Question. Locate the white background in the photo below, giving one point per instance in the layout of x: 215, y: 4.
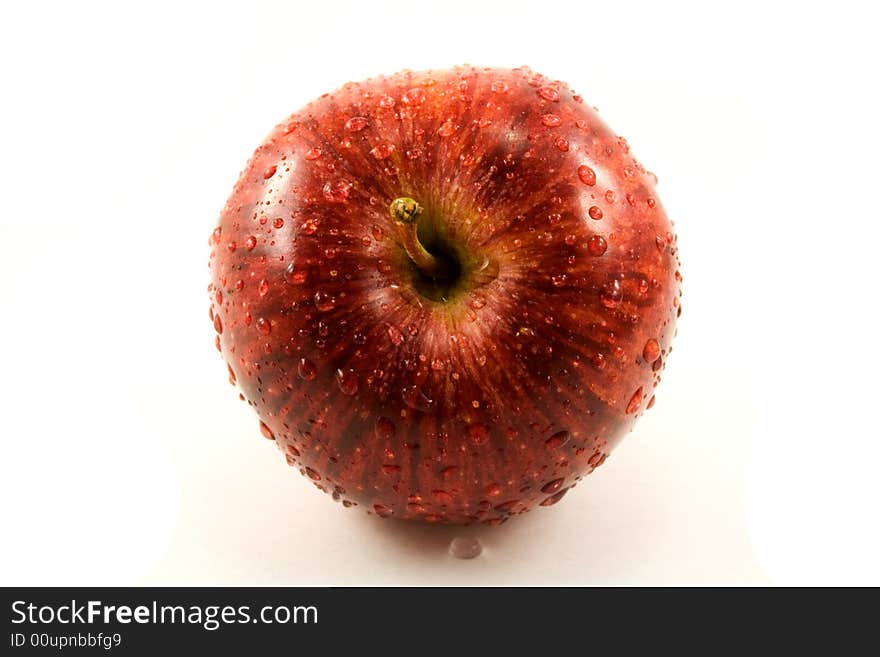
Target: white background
x: 127, y: 457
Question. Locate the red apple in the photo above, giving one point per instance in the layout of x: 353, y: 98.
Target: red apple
x: 446, y: 294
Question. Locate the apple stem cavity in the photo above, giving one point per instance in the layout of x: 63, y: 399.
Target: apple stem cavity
x: 405, y: 212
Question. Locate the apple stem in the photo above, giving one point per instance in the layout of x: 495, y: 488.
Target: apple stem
x: 405, y: 212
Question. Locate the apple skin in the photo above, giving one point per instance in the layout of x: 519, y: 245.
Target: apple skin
x: 518, y: 379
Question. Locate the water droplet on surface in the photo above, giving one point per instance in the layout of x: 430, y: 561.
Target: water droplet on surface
x: 313, y: 154
x: 609, y: 196
x: 313, y: 474
x: 551, y: 120
x: 506, y: 507
x: 562, y: 144
x: 414, y: 96
x: 478, y: 434
x: 382, y: 150
x: 499, y: 86
x: 347, y: 381
x: 263, y: 288
x: 324, y: 301
x: 611, y: 295
x: 278, y: 223
x: 558, y: 439
x: 634, y: 402
x: 306, y: 369
x: 587, y: 175
x: 266, y: 431
x: 385, y: 429
x: 552, y: 486
x: 218, y: 325
x: 597, y: 459
x: 337, y: 192
x: 548, y: 93
x: 264, y: 326
x: 295, y: 276
x: 416, y: 399
x: 382, y: 511
x: 442, y: 496
x: 595, y: 212
x: 447, y: 128
x: 651, y: 352
x: 597, y: 245
x: 395, y: 336
x: 250, y: 243
x: 356, y: 124
x: 386, y: 102
x: 553, y: 499
x: 268, y: 173
x: 465, y: 547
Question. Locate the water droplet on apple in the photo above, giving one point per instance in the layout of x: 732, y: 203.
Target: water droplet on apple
x: 306, y: 369
x: 447, y: 128
x: 609, y: 196
x: 395, y: 336
x: 382, y: 511
x: 414, y: 96
x: 250, y: 243
x: 337, y: 192
x: 597, y: 459
x: 356, y: 123
x: 553, y: 499
x: 218, y: 325
x: 263, y: 288
x: 506, y: 507
x: 415, y: 398
x: 597, y: 245
x: 499, y: 86
x: 324, y: 301
x: 382, y: 150
x: 634, y: 402
x: 385, y: 429
x: 552, y: 486
x: 442, y: 496
x: 347, y: 381
x: 562, y: 144
x: 651, y: 352
x: 587, y: 175
x: 264, y: 326
x: 548, y: 93
x: 313, y: 474
x: 266, y: 431
x: 611, y: 295
x: 551, y: 120
x: 295, y: 276
x: 558, y: 439
x: 269, y: 172
x: 595, y: 212
x: 478, y: 434
x: 278, y: 223
x: 465, y: 547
